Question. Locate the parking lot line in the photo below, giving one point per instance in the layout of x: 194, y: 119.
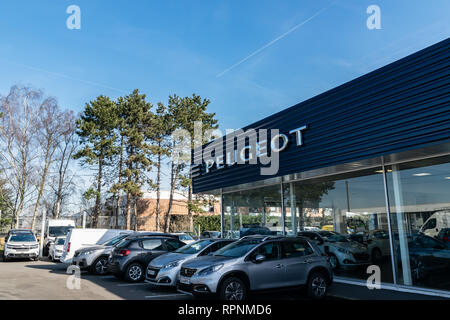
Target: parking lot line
x: 166, y: 295
x: 131, y: 284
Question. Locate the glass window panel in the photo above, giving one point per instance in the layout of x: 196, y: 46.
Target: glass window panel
x: 256, y: 211
x: 419, y: 195
x: 346, y: 215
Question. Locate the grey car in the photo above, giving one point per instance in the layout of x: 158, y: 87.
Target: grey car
x: 258, y: 263
x: 164, y: 270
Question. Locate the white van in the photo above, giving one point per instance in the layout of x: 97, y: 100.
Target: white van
x: 438, y: 220
x: 79, y: 238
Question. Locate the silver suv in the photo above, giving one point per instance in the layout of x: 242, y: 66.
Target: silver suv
x: 258, y: 263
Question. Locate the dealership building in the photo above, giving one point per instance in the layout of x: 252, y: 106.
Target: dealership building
x: 363, y: 169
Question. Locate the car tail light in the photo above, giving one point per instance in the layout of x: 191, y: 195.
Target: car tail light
x: 124, y: 253
x: 68, y: 247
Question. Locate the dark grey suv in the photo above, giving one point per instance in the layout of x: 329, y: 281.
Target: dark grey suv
x: 130, y: 257
x: 258, y: 263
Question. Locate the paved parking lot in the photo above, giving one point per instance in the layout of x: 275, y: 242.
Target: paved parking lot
x: 25, y: 279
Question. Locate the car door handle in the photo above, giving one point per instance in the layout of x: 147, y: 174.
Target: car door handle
x: 278, y: 266
x: 307, y: 261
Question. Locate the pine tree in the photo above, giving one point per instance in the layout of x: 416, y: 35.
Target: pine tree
x: 96, y: 129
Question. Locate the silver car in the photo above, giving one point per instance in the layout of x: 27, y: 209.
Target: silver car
x: 342, y: 251
x: 164, y: 270
x: 95, y: 258
x: 258, y: 263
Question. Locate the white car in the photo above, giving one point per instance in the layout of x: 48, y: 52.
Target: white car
x: 56, y: 248
x: 21, y: 244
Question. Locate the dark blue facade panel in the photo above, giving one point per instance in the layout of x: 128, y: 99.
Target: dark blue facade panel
x: 402, y: 106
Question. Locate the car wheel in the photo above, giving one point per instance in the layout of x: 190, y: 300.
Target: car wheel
x: 100, y: 266
x: 233, y: 289
x: 317, y: 285
x: 376, y: 255
x: 334, y: 262
x: 134, y: 273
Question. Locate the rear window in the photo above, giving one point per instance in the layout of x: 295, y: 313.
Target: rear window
x: 60, y: 242
x: 124, y: 243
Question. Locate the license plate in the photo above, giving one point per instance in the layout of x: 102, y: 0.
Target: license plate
x: 185, y: 280
x: 151, y: 272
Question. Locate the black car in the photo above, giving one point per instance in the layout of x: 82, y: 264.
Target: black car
x: 131, y: 256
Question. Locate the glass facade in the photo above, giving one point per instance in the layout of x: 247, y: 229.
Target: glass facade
x: 395, y: 216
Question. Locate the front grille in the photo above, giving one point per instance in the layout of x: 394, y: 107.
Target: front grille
x: 361, y: 256
x: 187, y: 272
x: 185, y: 287
x: 155, y: 273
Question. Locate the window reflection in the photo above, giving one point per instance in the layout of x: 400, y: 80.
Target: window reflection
x: 419, y: 194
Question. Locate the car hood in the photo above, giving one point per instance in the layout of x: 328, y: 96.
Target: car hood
x: 25, y: 244
x: 350, y: 246
x: 206, y: 261
x: 170, y: 257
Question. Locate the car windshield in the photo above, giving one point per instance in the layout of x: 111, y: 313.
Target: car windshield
x: 25, y: 237
x: 185, y: 237
x: 59, y: 231
x: 237, y: 249
x: 114, y: 241
x: 333, y: 237
x: 60, y: 241
x: 194, y: 247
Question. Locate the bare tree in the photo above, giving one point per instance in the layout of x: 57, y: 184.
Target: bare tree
x: 50, y: 130
x: 65, y: 150
x: 19, y: 110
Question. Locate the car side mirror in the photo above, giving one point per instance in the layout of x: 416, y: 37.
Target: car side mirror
x: 260, y: 258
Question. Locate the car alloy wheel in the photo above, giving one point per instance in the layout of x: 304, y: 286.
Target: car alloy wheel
x: 135, y: 272
x: 101, y: 266
x: 234, y: 291
x: 318, y: 286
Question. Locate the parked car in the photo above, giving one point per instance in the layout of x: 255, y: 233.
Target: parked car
x: 342, y: 251
x: 435, y: 223
x: 182, y: 236
x: 79, y: 238
x: 131, y: 256
x: 192, y: 234
x: 258, y: 263
x: 444, y: 235
x: 209, y: 234
x: 95, y: 258
x: 255, y: 229
x: 164, y: 269
x: 56, y: 228
x: 21, y: 244
x: 56, y: 248
x: 428, y: 256
x: 378, y: 245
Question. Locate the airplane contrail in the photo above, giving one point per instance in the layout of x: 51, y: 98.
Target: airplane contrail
x: 61, y: 75
x: 275, y: 40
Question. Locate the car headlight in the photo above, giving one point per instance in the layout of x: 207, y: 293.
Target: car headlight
x: 171, y: 265
x: 210, y: 270
x: 344, y: 251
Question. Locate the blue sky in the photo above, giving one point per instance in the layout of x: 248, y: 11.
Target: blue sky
x: 166, y: 47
